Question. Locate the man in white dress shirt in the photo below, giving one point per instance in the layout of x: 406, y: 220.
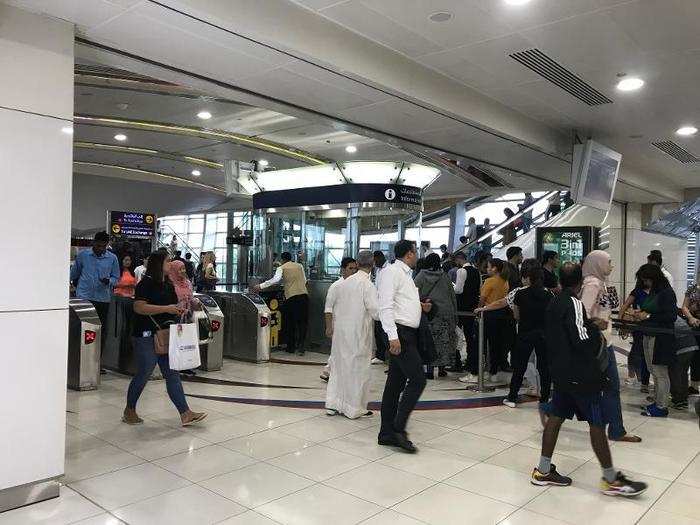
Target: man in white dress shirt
x: 400, y: 312
x: 354, y: 307
x: 348, y: 266
x: 381, y: 343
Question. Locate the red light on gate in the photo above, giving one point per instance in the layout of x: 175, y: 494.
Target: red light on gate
x: 215, y: 325
x: 90, y: 336
x: 264, y: 321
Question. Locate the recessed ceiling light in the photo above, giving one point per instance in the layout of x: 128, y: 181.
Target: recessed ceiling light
x: 204, y: 115
x: 351, y: 149
x: 120, y: 137
x: 687, y: 131
x: 517, y: 2
x: 440, y: 16
x: 630, y: 84
x: 264, y: 163
x: 196, y: 173
x: 68, y: 130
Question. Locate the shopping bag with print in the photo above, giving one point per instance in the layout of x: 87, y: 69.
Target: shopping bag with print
x: 184, y: 347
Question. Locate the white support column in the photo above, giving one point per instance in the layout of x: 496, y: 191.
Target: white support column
x: 36, y: 150
x: 457, y: 224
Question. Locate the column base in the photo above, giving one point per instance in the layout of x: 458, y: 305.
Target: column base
x: 14, y: 497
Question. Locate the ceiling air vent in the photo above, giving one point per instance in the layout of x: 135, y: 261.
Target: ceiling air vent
x: 537, y: 61
x: 674, y: 150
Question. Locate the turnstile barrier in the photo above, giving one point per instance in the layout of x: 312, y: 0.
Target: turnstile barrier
x: 84, y: 345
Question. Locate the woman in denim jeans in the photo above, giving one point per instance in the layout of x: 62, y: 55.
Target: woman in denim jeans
x: 597, y: 267
x: 155, y: 306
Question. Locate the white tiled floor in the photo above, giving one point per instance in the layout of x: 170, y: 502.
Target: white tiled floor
x: 251, y: 464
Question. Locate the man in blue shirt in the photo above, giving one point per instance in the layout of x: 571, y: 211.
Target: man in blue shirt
x: 94, y: 273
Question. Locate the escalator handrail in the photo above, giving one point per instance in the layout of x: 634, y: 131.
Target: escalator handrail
x: 508, y: 221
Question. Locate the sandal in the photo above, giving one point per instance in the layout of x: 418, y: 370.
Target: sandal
x: 629, y: 438
x: 194, y: 417
x: 130, y: 417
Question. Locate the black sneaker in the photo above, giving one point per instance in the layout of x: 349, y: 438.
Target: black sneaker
x: 623, y: 487
x: 681, y: 405
x: 551, y: 478
x: 693, y: 391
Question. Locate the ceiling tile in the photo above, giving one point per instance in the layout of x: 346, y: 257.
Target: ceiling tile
x: 450, y: 64
x: 468, y: 25
x: 670, y: 25
x: 541, y: 12
x: 584, y: 43
x: 140, y: 139
x: 79, y: 12
x: 317, y: 4
x: 336, y: 80
x: 133, y: 32
x: 358, y: 16
x: 491, y: 57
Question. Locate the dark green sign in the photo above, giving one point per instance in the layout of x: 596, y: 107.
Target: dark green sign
x: 571, y: 243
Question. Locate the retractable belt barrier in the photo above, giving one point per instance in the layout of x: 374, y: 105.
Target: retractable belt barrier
x: 633, y: 326
x: 479, y: 386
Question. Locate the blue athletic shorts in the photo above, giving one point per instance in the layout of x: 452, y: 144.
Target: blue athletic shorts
x: 586, y: 407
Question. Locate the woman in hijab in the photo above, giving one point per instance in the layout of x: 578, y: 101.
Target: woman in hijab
x: 183, y: 286
x: 600, y: 300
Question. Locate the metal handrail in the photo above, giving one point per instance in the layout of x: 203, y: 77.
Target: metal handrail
x: 180, y: 240
x: 508, y: 221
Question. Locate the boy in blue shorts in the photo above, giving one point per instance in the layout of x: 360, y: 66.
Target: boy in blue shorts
x: 578, y: 358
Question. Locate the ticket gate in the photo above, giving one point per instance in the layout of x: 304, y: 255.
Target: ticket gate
x: 84, y: 345
x: 210, y: 320
x: 247, y: 325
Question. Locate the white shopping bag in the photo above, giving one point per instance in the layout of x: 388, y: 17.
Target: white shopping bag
x: 184, y: 347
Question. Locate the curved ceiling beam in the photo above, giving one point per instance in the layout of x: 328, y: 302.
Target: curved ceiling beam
x: 150, y: 153
x: 192, y: 131
x: 208, y: 187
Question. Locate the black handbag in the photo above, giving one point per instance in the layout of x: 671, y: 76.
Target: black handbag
x: 426, y: 344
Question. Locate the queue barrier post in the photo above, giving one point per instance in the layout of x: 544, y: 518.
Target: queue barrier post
x: 480, y: 386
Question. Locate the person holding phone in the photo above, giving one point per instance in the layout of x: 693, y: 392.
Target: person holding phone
x: 94, y: 273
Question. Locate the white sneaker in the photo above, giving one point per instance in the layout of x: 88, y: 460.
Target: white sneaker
x: 376, y: 361
x: 469, y: 378
x: 631, y: 381
x: 508, y: 403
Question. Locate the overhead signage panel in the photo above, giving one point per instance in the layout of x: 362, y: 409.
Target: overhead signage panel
x: 392, y: 194
x: 134, y: 225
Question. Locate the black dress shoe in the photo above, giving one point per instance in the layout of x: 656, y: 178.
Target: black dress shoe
x: 404, y: 443
x: 387, y: 440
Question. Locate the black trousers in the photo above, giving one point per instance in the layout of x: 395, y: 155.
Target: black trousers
x: 471, y: 334
x: 500, y: 330
x: 102, y: 310
x: 405, y: 381
x: 695, y: 365
x: 678, y: 374
x: 380, y: 340
x: 525, y: 344
x: 295, y: 319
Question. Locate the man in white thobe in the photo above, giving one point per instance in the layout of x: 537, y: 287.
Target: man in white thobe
x: 354, y: 310
x: 348, y: 267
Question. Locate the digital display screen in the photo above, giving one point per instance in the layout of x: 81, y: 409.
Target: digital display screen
x: 134, y: 225
x: 600, y: 182
x: 571, y: 243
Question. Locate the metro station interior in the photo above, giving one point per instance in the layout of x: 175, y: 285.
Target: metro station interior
x: 242, y: 139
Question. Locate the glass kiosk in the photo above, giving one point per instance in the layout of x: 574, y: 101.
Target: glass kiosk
x: 318, y: 214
